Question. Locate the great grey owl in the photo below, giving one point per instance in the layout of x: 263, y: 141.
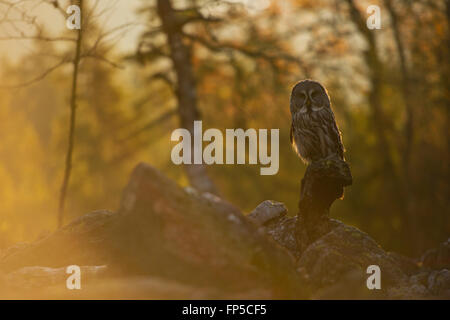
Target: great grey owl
x: 314, y: 132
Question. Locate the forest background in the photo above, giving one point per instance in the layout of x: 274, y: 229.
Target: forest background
x: 389, y: 89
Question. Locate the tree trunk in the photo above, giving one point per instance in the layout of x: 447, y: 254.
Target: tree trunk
x: 374, y: 64
x: 73, y: 108
x: 380, y: 123
x: 186, y: 89
x: 409, y: 125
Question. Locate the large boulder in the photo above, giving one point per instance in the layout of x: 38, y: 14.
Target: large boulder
x: 335, y: 265
x: 437, y: 258
x: 162, y: 230
x: 346, y: 250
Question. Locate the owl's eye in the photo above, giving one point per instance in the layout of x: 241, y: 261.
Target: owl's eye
x: 314, y: 95
x: 301, y: 97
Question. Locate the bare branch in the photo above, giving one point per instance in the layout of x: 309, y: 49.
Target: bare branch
x: 222, y: 47
x: 103, y: 59
x: 37, y: 38
x: 38, y: 78
x: 163, y: 77
x: 163, y: 117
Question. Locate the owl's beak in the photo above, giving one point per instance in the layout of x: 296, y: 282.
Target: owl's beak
x: 308, y: 103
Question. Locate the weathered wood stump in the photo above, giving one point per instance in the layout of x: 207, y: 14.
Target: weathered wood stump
x: 322, y: 184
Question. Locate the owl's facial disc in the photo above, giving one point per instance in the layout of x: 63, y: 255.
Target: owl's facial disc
x: 316, y: 103
x: 314, y: 109
x: 309, y: 96
x: 302, y: 101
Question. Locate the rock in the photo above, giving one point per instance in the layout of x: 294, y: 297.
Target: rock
x: 267, y: 211
x: 283, y: 231
x: 80, y: 242
x: 350, y: 286
x: 407, y: 292
x: 190, y: 237
x: 409, y: 266
x: 346, y: 250
x: 216, y: 203
x: 334, y: 266
x: 424, y: 285
x: 162, y: 230
x: 171, y: 242
x: 12, y: 249
x: 37, y: 277
x: 419, y: 279
x: 439, y: 283
x: 437, y: 258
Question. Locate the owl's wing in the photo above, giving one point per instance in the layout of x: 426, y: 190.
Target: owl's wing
x: 337, y: 138
x: 335, y: 133
x: 291, y: 134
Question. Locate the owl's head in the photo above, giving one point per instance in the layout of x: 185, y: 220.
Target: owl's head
x: 309, y: 96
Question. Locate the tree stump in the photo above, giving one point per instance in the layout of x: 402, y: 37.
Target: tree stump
x: 322, y: 184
